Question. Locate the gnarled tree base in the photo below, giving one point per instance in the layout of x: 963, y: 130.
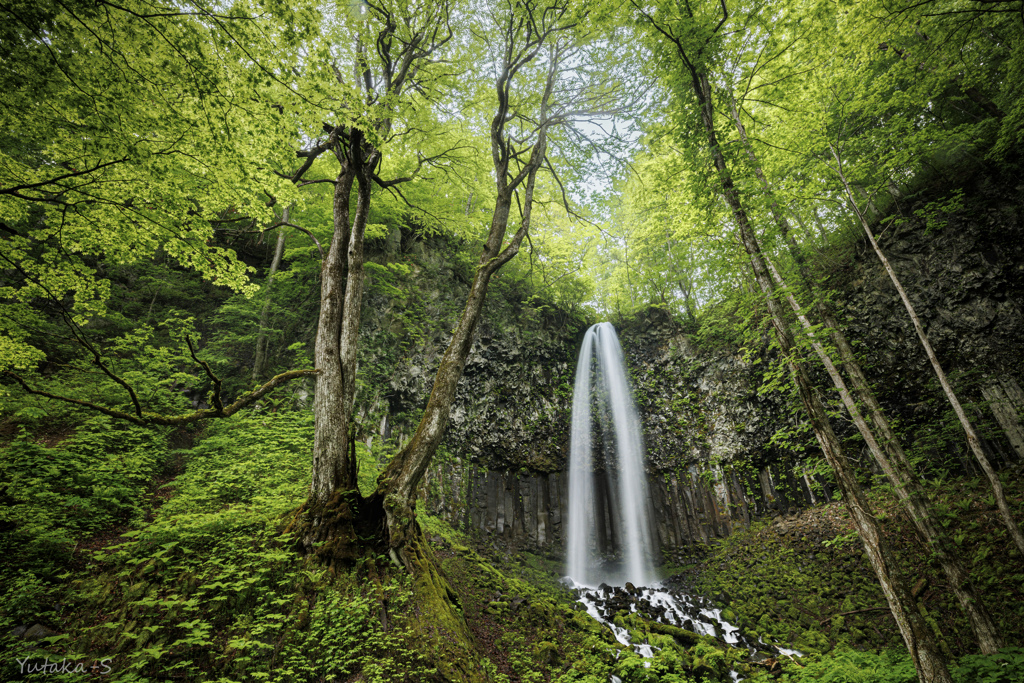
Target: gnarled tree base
x: 340, y: 531
x: 438, y: 621
x: 348, y: 529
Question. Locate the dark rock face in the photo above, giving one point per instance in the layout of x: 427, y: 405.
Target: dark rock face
x: 38, y: 632
x: 964, y: 274
x: 712, y: 461
x: 515, y: 508
x: 504, y: 472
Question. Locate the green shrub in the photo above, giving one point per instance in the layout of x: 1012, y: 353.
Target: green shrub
x: 1005, y: 667
x: 54, y: 497
x: 844, y: 665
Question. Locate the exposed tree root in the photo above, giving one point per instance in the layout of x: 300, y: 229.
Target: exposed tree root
x: 349, y: 530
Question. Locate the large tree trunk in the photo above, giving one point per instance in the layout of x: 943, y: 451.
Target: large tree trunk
x: 334, y: 504
x: 928, y: 659
x: 332, y: 469
x: 972, y: 436
x: 886, y: 450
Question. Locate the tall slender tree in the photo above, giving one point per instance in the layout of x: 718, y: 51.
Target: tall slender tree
x: 537, y: 39
x: 260, y: 356
x: 885, y: 446
x: 973, y: 439
x: 690, y: 33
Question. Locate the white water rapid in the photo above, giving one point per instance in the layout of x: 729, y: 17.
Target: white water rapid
x: 601, y: 382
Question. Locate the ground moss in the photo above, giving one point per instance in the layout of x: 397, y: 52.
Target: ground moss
x: 804, y: 579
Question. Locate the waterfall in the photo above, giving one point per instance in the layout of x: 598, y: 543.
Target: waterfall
x: 601, y: 380
x: 613, y: 508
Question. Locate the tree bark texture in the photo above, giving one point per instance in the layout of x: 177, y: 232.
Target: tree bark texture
x: 330, y: 440
x: 381, y: 75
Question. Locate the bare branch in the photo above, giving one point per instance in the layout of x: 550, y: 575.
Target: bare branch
x: 146, y: 419
x: 16, y: 189
x: 217, y: 402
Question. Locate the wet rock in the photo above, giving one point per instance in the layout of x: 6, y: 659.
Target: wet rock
x: 684, y: 637
x: 38, y: 632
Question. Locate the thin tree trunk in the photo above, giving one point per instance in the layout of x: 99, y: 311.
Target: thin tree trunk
x: 928, y: 659
x: 821, y: 228
x: 889, y: 455
x: 972, y: 436
x: 1002, y: 405
x: 912, y: 497
x: 398, y: 483
x: 869, y: 203
x: 261, y: 337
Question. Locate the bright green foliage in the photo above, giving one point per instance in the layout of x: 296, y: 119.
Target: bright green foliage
x: 846, y: 665
x: 141, y: 150
x: 209, y: 584
x: 129, y: 129
x: 55, y: 495
x: 850, y: 666
x: 1005, y: 667
x: 905, y: 93
x: 257, y: 462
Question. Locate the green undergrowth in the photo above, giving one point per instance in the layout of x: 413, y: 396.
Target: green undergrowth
x: 186, y: 575
x: 530, y: 629
x: 171, y: 564
x: 804, y: 580
x: 205, y: 587
x: 55, y: 497
x: 847, y: 665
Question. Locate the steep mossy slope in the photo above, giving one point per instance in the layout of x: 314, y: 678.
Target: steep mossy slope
x: 804, y: 579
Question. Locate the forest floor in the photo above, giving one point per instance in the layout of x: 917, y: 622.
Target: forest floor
x: 804, y: 578
x: 157, y: 563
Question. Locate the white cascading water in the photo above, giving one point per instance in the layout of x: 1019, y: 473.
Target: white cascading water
x: 601, y: 380
x: 601, y: 358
